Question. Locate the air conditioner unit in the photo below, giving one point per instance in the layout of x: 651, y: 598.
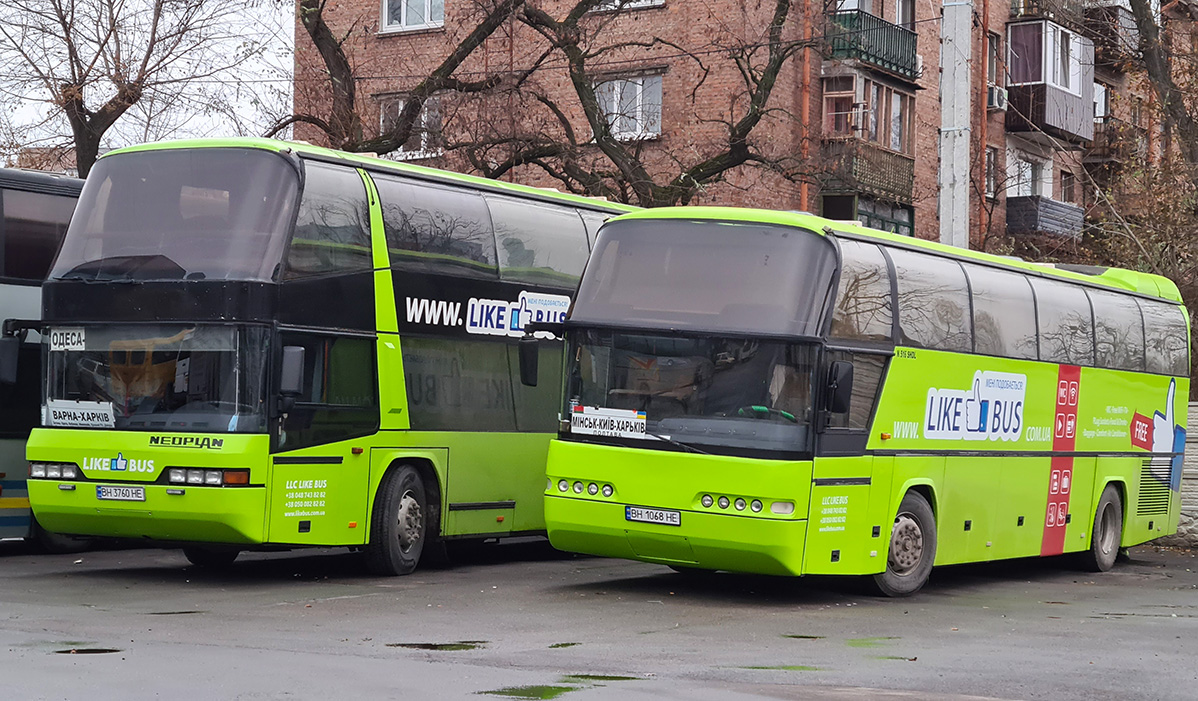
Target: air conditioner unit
x: 996, y: 98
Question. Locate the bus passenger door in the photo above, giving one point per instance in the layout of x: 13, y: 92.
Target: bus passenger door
x: 847, y: 519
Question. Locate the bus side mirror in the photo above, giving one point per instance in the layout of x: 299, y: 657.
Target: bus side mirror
x: 10, y: 347
x: 291, y: 378
x: 840, y: 386
x: 529, y: 357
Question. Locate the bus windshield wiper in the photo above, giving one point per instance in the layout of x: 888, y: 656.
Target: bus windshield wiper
x: 679, y: 444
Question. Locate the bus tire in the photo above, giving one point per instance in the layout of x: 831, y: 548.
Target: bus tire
x: 912, y: 548
x: 1107, y: 532
x: 398, y: 524
x: 210, y: 558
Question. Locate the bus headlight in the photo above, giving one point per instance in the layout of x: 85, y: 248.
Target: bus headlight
x: 195, y: 476
x: 213, y: 477
x: 53, y: 472
x: 69, y: 472
x: 707, y: 501
x: 563, y: 486
x: 608, y: 490
x: 592, y: 489
x: 756, y: 506
x: 37, y: 469
x: 177, y: 475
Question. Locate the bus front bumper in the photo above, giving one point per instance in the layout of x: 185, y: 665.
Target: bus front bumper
x: 193, y: 513
x: 703, y: 540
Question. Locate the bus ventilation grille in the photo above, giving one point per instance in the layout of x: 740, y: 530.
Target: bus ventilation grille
x: 1154, y: 487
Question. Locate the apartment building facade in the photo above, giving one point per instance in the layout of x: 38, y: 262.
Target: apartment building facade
x: 854, y: 119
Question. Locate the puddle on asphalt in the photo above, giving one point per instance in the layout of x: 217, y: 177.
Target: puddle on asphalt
x: 794, y: 636
x: 896, y: 657
x: 571, y: 678
x: 558, y: 646
x: 173, y: 613
x: 870, y: 642
x: 443, y: 647
x: 87, y: 651
x: 790, y: 668
x: 547, y: 691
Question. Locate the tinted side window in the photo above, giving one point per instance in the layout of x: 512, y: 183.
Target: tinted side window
x: 1118, y: 331
x: 332, y: 230
x: 339, y: 399
x: 863, y: 299
x: 436, y: 229
x: 1166, y: 343
x: 592, y: 221
x: 1066, y: 325
x: 34, y: 224
x: 933, y: 302
x: 867, y: 375
x: 458, y: 385
x: 538, y: 243
x: 1004, y: 313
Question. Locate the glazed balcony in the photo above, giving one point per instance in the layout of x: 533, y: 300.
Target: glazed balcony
x: 854, y: 165
x: 859, y: 35
x: 1116, y: 141
x: 1043, y: 215
x: 1043, y: 112
x: 1116, y: 37
x: 1070, y: 13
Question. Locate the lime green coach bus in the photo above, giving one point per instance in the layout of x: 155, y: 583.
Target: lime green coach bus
x: 778, y: 393
x: 249, y: 343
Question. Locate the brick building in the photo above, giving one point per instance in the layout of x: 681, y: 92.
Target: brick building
x: 854, y: 121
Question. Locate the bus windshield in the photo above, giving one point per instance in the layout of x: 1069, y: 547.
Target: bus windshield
x: 734, y: 393
x: 707, y: 276
x: 137, y: 377
x: 210, y: 213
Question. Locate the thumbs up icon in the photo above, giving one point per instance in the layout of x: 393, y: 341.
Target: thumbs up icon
x: 1162, y: 424
x: 976, y: 409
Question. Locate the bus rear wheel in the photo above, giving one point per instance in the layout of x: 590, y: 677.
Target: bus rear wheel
x: 398, y: 524
x: 1107, y: 533
x: 912, y: 548
x: 210, y: 558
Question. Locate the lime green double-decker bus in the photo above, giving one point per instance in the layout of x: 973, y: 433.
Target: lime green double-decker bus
x: 250, y: 343
x: 776, y: 393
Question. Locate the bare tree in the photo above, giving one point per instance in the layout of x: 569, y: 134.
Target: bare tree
x: 92, y: 61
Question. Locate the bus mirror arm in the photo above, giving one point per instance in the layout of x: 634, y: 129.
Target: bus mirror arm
x: 291, y: 377
x: 13, y: 336
x: 840, y: 386
x: 529, y: 357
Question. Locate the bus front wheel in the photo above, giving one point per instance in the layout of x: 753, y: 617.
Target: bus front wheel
x: 912, y: 548
x: 399, y: 523
x: 1107, y: 533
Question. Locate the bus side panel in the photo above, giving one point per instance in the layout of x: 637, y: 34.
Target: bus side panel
x: 925, y: 472
x: 318, y: 495
x: 1020, y: 510
x: 968, y: 514
x: 849, y: 498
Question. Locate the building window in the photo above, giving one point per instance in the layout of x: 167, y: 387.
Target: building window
x: 425, y: 139
x: 895, y: 218
x: 1064, y: 52
x: 993, y: 57
x: 838, y: 106
x: 1028, y: 176
x: 1102, y: 104
x: 1041, y: 52
x: 1068, y: 186
x: 904, y: 13
x: 889, y: 115
x: 632, y: 106
x: 402, y: 15
x: 991, y: 172
x: 612, y: 5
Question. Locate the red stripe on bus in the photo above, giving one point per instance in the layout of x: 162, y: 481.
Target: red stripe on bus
x: 1060, y: 478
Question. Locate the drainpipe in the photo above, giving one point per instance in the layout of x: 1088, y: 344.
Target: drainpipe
x: 956, y: 49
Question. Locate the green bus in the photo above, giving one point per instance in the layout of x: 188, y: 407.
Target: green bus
x: 777, y: 393
x: 254, y: 344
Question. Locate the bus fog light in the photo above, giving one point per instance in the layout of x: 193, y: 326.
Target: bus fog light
x: 740, y: 504
x: 177, y: 476
x: 195, y: 476
x: 54, y: 472
x: 707, y: 501
x: 213, y: 477
x: 563, y: 486
x: 69, y: 472
x: 592, y: 489
x: 723, y: 502
x: 756, y: 506
x: 548, y: 484
x: 578, y: 487
x: 37, y: 469
x: 608, y: 490
x: 783, y: 508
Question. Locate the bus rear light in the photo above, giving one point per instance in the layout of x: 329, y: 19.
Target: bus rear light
x: 177, y: 475
x: 592, y: 489
x: 740, y: 504
x: 783, y: 508
x: 578, y: 487
x: 723, y: 502
x: 213, y: 478
x: 237, y: 476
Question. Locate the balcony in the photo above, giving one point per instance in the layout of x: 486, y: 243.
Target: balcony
x: 1069, y: 13
x: 1116, y: 141
x: 856, y: 34
x: 1043, y: 113
x: 1042, y: 215
x: 1116, y: 37
x: 859, y: 166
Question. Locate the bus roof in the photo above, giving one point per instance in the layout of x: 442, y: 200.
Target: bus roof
x: 40, y: 181
x: 1113, y: 278
x: 372, y: 162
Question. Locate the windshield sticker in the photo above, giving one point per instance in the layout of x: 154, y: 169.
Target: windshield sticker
x: 199, y: 442
x: 991, y: 408
x: 71, y: 414
x: 600, y: 421
x: 67, y: 339
x: 490, y: 317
